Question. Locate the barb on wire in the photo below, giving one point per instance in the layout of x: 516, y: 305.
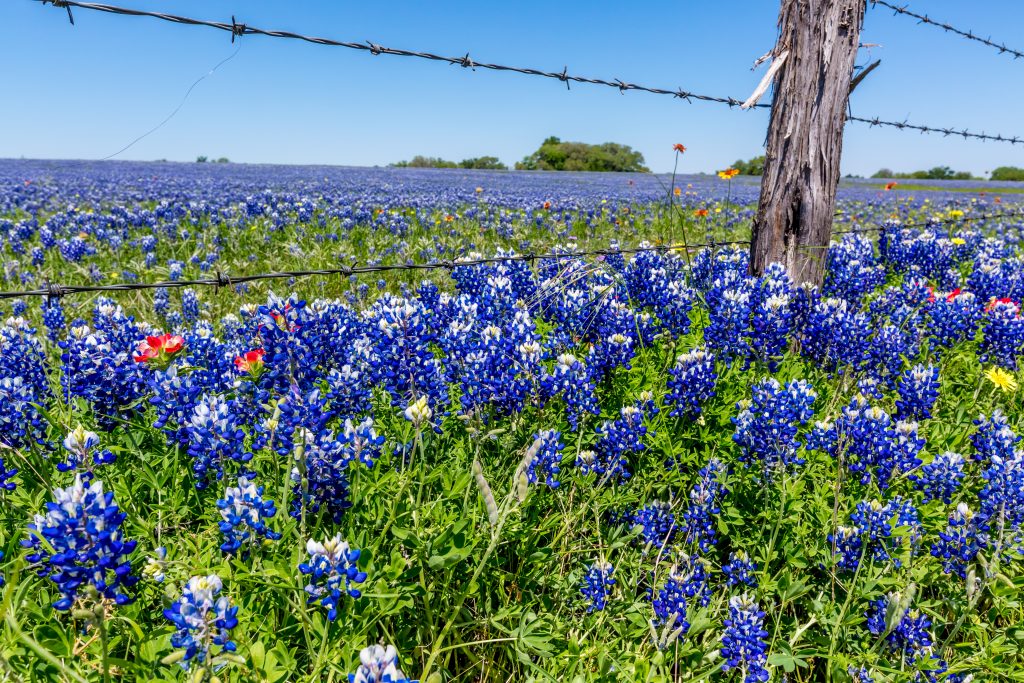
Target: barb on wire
x: 970, y: 35
x: 963, y: 133
x: 240, y: 29
x: 932, y: 222
x: 54, y: 290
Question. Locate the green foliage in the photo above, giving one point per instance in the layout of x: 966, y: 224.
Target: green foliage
x: 201, y: 159
x: 484, y: 163
x: 555, y: 155
x: 1008, y: 173
x: 753, y: 166
x: 420, y: 161
x: 937, y: 173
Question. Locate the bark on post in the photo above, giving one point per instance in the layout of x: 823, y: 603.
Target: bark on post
x: 793, y: 224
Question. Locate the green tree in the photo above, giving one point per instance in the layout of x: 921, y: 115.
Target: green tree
x: 555, y: 155
x: 1008, y: 173
x: 486, y: 163
x: 754, y: 166
x: 420, y: 161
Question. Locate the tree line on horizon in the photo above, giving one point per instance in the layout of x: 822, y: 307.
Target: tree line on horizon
x: 555, y: 154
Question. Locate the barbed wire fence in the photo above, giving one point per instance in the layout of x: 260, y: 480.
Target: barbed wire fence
x: 237, y: 30
x: 221, y: 280
x: 949, y: 28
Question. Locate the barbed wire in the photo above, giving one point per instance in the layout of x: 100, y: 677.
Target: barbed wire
x: 968, y: 34
x: 54, y: 290
x: 238, y: 29
x: 946, y: 132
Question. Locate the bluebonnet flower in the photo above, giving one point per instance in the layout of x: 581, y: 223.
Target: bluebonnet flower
x: 657, y: 524
x: 870, y: 388
x: 360, y: 442
x: 691, y: 383
x: 918, y: 390
x: 888, y: 352
x: 671, y: 603
x: 906, y: 631
x: 156, y: 565
x: 767, y: 425
x: 215, y: 438
x: 203, y: 620
x: 739, y: 570
x: 1003, y: 338
x: 161, y: 301
x: 379, y: 664
x: 547, y: 458
x: 743, y: 642
x: 332, y: 572
x: 571, y: 380
x: 6, y: 475
x: 1001, y: 499
x: 836, y: 334
x: 994, y: 437
x: 940, y: 478
x: 871, y: 533
x: 53, y: 319
x: 851, y: 270
x: 954, y: 318
x: 243, y: 513
x: 861, y: 675
x: 83, y: 545
x: 81, y: 446
x: 699, y: 524
x: 320, y: 480
x: 871, y: 444
x: 960, y: 543
x: 597, y: 584
x: 728, y: 320
x: 189, y: 305
x: 619, y: 438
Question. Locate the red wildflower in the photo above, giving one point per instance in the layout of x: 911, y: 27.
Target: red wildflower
x: 889, y: 186
x: 158, y: 348
x: 251, y: 362
x: 700, y: 213
x: 1004, y: 300
x: 679, y: 148
x: 953, y: 295
x: 547, y: 205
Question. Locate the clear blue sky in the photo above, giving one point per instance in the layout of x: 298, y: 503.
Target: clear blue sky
x: 85, y: 91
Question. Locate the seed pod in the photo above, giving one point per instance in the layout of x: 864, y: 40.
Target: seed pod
x: 485, y: 492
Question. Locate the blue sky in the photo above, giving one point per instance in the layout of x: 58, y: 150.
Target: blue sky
x: 87, y: 90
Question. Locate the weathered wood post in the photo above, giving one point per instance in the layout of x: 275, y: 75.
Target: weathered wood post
x: 813, y: 67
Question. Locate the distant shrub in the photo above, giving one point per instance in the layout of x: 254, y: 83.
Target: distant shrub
x: 1008, y: 173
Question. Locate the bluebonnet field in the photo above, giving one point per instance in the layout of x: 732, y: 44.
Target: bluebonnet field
x: 647, y: 467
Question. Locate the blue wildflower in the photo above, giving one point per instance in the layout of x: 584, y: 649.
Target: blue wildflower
x: 79, y: 542
x: 243, y: 513
x: 918, y: 391
x: 332, y: 572
x: 202, y: 619
x: 597, y: 584
x: 743, y: 643
x: 379, y: 664
x: 691, y: 383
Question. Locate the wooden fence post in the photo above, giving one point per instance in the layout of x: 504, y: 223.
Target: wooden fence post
x: 818, y: 42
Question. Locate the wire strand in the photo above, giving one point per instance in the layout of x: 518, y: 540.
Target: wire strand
x: 968, y: 34
x: 237, y: 30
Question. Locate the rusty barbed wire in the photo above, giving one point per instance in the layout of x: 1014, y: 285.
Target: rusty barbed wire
x: 54, y: 290
x: 945, y: 132
x: 238, y: 30
x: 968, y: 34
